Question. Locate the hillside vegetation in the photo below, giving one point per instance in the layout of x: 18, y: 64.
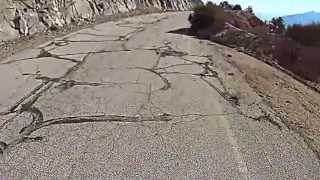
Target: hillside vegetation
x: 305, y: 34
x: 293, y: 48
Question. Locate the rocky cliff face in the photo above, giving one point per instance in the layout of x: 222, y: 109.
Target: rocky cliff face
x: 25, y: 17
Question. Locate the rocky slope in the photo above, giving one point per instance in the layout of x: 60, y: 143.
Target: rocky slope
x: 25, y: 17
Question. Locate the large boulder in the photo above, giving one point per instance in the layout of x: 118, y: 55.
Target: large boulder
x: 7, y: 27
x: 81, y: 10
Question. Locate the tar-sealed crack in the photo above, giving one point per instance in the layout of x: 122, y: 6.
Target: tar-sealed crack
x: 64, y: 42
x: 207, y: 72
x: 38, y: 122
x: 33, y: 96
x: 26, y: 103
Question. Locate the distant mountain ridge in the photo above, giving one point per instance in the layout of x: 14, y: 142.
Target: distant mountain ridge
x: 303, y: 19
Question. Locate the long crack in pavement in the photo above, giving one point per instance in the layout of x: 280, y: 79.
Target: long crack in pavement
x: 26, y: 104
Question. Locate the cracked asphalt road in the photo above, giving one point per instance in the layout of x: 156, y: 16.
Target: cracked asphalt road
x: 129, y: 100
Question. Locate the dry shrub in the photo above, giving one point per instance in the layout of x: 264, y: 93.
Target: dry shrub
x: 259, y: 30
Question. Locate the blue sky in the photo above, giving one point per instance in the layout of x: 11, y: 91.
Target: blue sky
x: 278, y: 7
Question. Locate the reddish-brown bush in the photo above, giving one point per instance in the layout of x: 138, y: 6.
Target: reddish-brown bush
x: 308, y: 35
x: 286, y: 52
x: 299, y: 52
x: 301, y: 60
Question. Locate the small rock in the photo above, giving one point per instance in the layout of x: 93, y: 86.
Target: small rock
x: 288, y: 102
x: 240, y: 49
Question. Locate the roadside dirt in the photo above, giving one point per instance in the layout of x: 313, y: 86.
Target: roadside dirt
x: 295, y: 104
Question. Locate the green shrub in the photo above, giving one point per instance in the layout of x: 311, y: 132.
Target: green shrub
x: 237, y: 7
x: 226, y: 5
x: 278, y: 24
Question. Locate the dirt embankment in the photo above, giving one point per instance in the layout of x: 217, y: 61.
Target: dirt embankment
x: 297, y: 105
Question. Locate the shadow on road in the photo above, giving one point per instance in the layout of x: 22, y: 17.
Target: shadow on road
x: 183, y: 31
x: 188, y: 32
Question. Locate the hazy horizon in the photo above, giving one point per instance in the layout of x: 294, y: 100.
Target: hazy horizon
x: 267, y: 10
